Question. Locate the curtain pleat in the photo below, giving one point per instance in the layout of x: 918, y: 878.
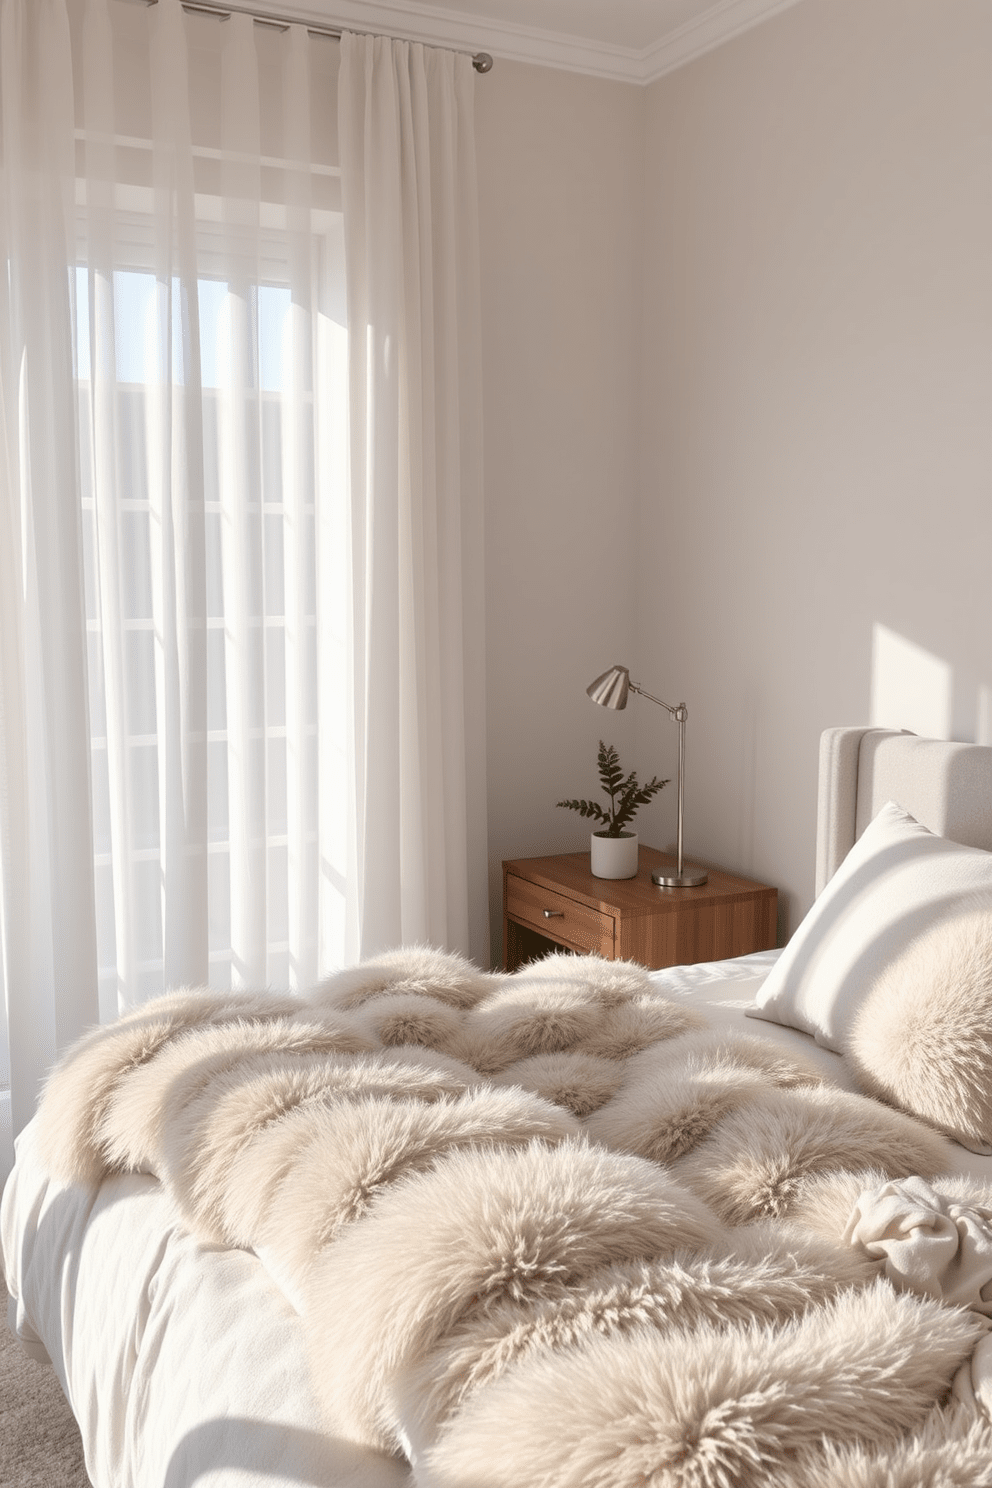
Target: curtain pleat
x: 299, y: 498
x: 410, y: 214
x: 177, y: 495
x: 241, y: 503
x: 101, y: 409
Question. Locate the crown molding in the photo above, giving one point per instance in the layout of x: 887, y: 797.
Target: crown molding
x: 435, y: 25
x: 719, y: 23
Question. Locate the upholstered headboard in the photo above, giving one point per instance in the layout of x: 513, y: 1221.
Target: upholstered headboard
x: 947, y: 787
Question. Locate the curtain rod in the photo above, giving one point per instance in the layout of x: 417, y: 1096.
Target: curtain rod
x: 481, y: 61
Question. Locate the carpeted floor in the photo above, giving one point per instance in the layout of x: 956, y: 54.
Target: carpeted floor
x: 39, y: 1440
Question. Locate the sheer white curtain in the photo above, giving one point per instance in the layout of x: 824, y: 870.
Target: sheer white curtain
x: 174, y: 391
x: 208, y: 245
x: 47, y: 917
x: 241, y: 710
x: 411, y: 234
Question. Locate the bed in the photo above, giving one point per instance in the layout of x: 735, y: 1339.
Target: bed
x: 665, y: 1308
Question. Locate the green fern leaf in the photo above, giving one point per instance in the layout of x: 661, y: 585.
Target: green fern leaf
x: 625, y: 793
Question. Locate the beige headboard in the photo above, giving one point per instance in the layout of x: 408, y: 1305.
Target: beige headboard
x: 947, y: 787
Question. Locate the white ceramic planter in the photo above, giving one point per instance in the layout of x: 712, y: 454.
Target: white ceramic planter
x: 613, y: 857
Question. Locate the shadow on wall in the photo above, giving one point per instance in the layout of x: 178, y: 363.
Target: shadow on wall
x: 913, y: 689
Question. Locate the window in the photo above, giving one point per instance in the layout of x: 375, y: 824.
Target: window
x: 206, y: 440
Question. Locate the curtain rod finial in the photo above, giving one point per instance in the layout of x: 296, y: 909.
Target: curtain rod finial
x: 482, y: 62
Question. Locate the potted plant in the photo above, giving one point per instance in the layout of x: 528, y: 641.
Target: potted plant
x: 613, y: 851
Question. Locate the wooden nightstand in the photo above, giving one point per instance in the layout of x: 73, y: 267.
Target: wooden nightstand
x: 556, y: 902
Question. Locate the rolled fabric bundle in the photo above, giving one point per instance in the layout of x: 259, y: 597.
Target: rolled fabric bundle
x: 932, y: 1243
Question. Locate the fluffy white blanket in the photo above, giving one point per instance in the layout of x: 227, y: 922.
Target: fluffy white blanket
x: 546, y: 1230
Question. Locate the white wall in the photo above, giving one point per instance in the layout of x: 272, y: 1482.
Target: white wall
x: 560, y: 173
x: 815, y: 523
x: 738, y: 380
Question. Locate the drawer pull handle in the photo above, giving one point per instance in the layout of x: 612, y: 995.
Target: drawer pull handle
x: 551, y: 914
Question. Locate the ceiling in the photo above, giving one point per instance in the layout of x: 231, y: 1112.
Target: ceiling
x: 631, y: 40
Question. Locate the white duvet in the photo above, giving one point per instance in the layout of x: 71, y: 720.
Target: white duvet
x: 182, y: 1365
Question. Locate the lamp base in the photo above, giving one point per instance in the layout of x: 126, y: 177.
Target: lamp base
x: 689, y: 878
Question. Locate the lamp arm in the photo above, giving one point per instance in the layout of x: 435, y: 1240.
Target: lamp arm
x: 679, y: 714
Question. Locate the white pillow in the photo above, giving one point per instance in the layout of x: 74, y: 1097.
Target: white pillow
x: 897, y: 879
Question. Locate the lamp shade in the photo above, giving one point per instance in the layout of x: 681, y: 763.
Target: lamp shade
x: 610, y: 690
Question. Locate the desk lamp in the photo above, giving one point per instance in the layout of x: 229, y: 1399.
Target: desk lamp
x: 610, y: 691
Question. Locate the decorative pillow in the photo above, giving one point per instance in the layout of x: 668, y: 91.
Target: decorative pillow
x: 922, y: 1037
x: 898, y: 878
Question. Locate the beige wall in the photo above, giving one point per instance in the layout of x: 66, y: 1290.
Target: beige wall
x: 559, y: 182
x: 815, y: 523
x: 761, y: 474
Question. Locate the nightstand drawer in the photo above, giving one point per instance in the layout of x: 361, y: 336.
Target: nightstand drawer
x: 558, y: 917
x: 631, y: 919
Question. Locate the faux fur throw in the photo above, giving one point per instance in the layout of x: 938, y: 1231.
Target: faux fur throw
x: 545, y: 1230
x: 921, y: 1038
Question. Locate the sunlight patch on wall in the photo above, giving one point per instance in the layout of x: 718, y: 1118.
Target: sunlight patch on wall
x: 983, y: 732
x: 910, y: 687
